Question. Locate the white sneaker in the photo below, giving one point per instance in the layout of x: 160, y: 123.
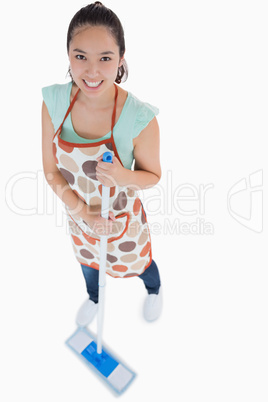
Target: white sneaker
x: 86, y: 313
x: 153, y: 306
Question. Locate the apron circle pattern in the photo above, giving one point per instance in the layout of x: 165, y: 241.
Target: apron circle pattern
x: 129, y: 244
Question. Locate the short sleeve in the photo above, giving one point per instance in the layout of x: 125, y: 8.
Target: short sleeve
x: 56, y: 98
x: 145, y: 114
x: 49, y: 99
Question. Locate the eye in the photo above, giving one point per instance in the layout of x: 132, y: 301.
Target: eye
x: 106, y: 58
x: 80, y: 57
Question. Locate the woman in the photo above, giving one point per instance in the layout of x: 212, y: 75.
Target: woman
x: 83, y: 119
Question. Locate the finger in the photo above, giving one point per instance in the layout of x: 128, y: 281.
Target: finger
x: 100, y: 179
x: 106, y: 180
x: 103, y: 167
x: 112, y: 216
x: 99, y: 158
x: 100, y: 166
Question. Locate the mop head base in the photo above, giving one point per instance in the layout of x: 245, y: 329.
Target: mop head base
x: 115, y: 374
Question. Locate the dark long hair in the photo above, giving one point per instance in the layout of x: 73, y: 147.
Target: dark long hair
x: 96, y: 14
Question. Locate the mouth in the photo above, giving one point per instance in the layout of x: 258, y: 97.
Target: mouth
x: 93, y: 84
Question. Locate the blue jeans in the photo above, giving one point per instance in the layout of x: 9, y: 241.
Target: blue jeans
x: 150, y: 277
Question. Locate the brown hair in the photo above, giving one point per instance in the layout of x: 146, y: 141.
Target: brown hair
x: 96, y: 14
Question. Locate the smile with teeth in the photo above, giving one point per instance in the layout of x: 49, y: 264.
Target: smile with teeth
x: 94, y: 84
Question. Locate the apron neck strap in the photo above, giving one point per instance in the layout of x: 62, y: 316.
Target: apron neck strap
x: 71, y: 106
x: 114, y: 111
x: 66, y: 115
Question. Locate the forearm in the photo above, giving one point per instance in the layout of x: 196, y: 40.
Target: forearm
x: 62, y: 189
x: 140, y: 179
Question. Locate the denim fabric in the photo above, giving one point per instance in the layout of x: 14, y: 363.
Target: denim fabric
x: 150, y: 277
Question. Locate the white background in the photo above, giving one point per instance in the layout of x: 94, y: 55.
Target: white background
x: 204, y: 64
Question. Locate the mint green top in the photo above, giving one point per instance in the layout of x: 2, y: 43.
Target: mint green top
x: 134, y: 117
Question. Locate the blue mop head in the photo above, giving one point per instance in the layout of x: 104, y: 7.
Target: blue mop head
x: 114, y: 373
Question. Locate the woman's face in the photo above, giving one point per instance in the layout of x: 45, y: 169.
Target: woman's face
x: 94, y: 60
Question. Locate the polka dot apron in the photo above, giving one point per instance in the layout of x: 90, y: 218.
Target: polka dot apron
x: 129, y: 244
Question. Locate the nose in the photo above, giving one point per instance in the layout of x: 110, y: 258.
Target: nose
x: 92, y: 69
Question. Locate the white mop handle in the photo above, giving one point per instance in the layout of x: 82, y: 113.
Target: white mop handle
x: 103, y: 239
x: 107, y: 157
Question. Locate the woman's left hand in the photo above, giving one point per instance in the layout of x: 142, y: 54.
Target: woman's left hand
x: 110, y: 174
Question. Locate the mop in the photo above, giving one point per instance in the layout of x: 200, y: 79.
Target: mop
x: 115, y: 374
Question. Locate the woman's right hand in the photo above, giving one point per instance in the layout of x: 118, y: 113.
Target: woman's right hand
x: 100, y: 225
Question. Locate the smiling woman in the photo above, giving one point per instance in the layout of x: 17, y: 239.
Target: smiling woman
x: 81, y: 121
x: 101, y: 16
x: 90, y: 69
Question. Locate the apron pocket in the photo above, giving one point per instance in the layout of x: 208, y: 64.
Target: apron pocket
x: 119, y: 228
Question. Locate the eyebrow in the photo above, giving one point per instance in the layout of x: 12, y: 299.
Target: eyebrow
x: 103, y: 53
x: 79, y: 51
x: 107, y: 52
